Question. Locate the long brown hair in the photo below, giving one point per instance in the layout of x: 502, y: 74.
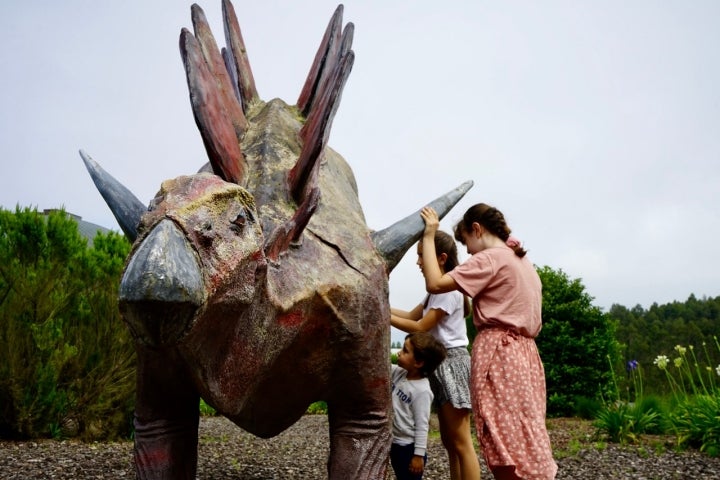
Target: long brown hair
x: 444, y: 243
x: 492, y: 220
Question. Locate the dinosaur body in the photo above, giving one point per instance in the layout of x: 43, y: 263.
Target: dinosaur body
x: 256, y: 283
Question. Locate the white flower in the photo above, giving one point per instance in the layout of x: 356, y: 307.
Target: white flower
x: 680, y: 349
x: 678, y: 362
x: 717, y: 370
x: 661, y: 361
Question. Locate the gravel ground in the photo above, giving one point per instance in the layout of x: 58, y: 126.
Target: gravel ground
x: 227, y: 452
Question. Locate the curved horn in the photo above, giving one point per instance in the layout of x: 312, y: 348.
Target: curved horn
x: 125, y: 206
x: 394, y: 241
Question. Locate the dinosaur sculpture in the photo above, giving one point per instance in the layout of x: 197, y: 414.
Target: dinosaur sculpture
x: 255, y: 283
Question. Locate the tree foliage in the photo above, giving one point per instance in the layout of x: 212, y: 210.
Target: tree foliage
x: 68, y: 361
x: 646, y: 334
x: 576, y: 342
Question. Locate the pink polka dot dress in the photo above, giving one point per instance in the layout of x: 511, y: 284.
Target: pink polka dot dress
x: 507, y: 376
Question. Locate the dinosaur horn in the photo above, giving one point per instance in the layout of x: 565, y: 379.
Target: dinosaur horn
x: 234, y: 41
x: 394, y: 241
x: 216, y: 128
x: 216, y: 65
x: 316, y: 131
x: 328, y: 48
x: 125, y: 206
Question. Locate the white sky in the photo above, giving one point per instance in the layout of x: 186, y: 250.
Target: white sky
x: 594, y: 126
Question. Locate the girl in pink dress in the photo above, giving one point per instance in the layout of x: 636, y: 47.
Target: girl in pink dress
x: 507, y: 376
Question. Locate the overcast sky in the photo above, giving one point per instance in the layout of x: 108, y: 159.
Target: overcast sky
x: 594, y: 126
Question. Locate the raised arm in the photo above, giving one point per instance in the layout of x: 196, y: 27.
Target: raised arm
x: 435, y: 280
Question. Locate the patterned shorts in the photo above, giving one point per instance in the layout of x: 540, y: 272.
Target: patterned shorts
x: 451, y: 380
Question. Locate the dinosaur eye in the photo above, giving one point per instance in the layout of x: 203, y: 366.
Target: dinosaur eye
x: 243, y: 218
x: 240, y: 219
x: 239, y: 223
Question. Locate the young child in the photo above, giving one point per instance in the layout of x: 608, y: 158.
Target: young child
x: 412, y: 399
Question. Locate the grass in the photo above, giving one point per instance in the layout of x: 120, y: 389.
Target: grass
x: 570, y: 436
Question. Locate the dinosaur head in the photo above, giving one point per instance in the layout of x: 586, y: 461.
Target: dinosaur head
x: 200, y: 240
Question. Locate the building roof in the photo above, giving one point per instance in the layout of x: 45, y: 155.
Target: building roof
x: 87, y: 229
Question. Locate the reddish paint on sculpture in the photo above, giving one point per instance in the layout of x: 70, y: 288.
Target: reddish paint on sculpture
x: 290, y: 319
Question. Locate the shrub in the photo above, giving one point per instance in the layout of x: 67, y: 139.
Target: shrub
x: 574, y: 344
x: 317, y: 408
x: 68, y: 366
x: 624, y: 422
x: 695, y: 417
x: 587, y: 408
x: 206, y: 410
x: 696, y: 421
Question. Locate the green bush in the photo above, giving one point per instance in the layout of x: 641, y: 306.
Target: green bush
x: 695, y: 413
x: 574, y: 344
x: 317, y: 408
x: 624, y: 422
x: 655, y: 404
x: 206, y: 410
x: 69, y: 365
x: 587, y: 408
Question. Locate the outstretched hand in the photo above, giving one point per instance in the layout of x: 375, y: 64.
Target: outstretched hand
x: 431, y: 219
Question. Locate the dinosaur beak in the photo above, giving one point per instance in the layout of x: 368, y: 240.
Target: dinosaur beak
x: 162, y: 287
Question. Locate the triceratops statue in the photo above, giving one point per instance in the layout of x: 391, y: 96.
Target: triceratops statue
x: 255, y: 283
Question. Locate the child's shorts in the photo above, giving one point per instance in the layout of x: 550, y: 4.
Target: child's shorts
x: 451, y: 380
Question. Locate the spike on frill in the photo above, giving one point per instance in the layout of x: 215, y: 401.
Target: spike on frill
x: 216, y: 128
x: 328, y: 45
x: 283, y: 236
x: 394, y: 241
x: 318, y: 101
x: 324, y: 104
x: 236, y: 44
x: 218, y: 69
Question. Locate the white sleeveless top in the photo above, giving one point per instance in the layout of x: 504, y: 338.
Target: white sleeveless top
x: 450, y: 330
